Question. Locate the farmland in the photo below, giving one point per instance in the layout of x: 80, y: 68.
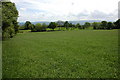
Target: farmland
x: 61, y: 54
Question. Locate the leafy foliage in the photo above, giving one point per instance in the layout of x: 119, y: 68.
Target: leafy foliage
x: 66, y: 25
x: 110, y: 25
x: 78, y: 26
x: 38, y: 27
x: 117, y: 24
x: 52, y: 25
x: 96, y: 25
x: 103, y: 25
x: 87, y: 24
x: 61, y: 25
x: 27, y: 23
x: 44, y: 27
x: 9, y: 19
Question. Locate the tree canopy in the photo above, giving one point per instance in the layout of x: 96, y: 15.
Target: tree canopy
x: 66, y: 25
x: 87, y: 24
x: 27, y: 23
x: 52, y: 25
x: 117, y: 24
x: 9, y: 19
x: 103, y: 24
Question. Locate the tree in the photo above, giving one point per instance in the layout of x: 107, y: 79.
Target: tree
x: 117, y: 24
x: 96, y: 25
x: 66, y: 25
x: 0, y: 16
x: 27, y: 23
x: 9, y: 19
x: 87, y: 24
x: 9, y: 32
x: 44, y: 27
x: 60, y: 23
x: 52, y: 25
x: 32, y: 27
x: 78, y: 26
x: 16, y: 26
x: 71, y: 26
x: 110, y: 25
x: 103, y: 25
x: 38, y: 27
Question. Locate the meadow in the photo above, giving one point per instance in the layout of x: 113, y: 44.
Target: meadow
x: 61, y: 54
x: 0, y: 55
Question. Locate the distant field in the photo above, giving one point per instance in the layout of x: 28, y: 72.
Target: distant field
x: 61, y: 54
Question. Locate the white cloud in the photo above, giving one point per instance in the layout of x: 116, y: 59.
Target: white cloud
x: 48, y: 10
x: 23, y: 9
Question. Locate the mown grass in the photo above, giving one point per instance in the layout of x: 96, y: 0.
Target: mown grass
x: 0, y: 54
x: 62, y: 54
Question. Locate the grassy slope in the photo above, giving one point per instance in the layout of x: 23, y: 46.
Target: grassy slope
x: 64, y: 54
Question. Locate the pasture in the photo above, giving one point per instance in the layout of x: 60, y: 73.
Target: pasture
x: 61, y: 54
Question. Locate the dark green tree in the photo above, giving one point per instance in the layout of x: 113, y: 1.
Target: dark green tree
x: 38, y: 27
x: 78, y: 26
x: 96, y: 25
x: 110, y: 25
x: 16, y: 26
x: 52, y: 25
x: 66, y: 25
x: 32, y: 27
x: 27, y: 23
x: 44, y: 27
x: 9, y: 19
x: 71, y: 26
x: 117, y: 24
x: 103, y: 25
x: 87, y: 24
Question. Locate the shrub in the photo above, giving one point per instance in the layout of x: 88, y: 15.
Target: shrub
x: 38, y: 27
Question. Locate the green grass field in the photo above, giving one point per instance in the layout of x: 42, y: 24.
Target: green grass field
x: 0, y: 54
x: 61, y: 54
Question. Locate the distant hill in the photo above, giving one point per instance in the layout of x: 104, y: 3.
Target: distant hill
x: 83, y: 21
x: 22, y: 23
x: 73, y: 22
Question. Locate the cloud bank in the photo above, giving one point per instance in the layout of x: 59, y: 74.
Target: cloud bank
x: 53, y: 10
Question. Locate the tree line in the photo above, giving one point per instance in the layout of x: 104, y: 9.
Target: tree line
x: 69, y: 26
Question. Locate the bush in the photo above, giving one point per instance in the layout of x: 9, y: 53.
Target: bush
x: 38, y: 27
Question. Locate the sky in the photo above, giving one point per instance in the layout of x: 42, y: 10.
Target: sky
x: 66, y: 10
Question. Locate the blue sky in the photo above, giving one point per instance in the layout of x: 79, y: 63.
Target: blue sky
x: 54, y: 10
